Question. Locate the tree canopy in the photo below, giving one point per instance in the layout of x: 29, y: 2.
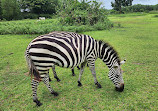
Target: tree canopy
x: 118, y: 4
x: 39, y: 6
x: 10, y: 9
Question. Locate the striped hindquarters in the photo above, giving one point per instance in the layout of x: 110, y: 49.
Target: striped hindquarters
x: 62, y: 49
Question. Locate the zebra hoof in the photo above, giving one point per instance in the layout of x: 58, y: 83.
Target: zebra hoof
x: 58, y: 80
x: 38, y: 103
x: 78, y: 67
x: 79, y: 83
x: 98, y: 85
x: 73, y: 74
x: 55, y: 93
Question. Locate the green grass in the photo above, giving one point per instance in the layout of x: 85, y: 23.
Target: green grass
x: 136, y: 41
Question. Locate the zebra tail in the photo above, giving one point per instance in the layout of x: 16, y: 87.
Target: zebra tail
x: 32, y: 69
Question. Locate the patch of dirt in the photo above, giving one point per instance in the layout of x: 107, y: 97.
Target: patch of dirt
x: 26, y: 73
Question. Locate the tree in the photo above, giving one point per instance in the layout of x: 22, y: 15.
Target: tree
x: 0, y: 10
x: 85, y: 12
x: 118, y: 4
x: 10, y: 9
x: 39, y: 6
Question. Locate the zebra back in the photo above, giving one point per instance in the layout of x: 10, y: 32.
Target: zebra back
x: 65, y: 49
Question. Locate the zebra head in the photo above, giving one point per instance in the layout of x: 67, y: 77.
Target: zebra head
x: 115, y: 74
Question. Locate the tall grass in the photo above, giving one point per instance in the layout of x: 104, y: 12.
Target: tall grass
x: 45, y: 26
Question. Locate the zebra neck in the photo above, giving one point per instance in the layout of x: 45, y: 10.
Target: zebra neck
x: 108, y: 54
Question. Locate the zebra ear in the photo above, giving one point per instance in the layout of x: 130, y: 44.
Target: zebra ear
x: 122, y: 62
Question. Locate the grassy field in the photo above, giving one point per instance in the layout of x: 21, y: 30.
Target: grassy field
x: 135, y: 37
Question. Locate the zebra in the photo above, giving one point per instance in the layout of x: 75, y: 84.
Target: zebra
x: 68, y: 49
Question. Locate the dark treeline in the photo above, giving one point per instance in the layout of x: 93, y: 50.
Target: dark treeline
x: 136, y: 8
x: 119, y: 4
x: 22, y: 9
x: 140, y: 8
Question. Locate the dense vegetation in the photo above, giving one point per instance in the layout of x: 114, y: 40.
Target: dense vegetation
x: 137, y: 8
x: 135, y: 39
x: 118, y: 4
x: 70, y: 15
x: 46, y: 26
x: 140, y: 8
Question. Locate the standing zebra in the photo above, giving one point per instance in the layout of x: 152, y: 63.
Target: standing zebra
x: 67, y: 49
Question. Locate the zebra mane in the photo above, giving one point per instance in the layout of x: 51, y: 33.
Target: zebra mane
x: 112, y: 48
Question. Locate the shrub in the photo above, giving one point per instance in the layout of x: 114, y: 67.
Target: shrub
x: 45, y: 15
x: 85, y: 13
x: 30, y: 16
x: 156, y: 16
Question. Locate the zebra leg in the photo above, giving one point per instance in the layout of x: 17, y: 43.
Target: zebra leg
x: 49, y: 77
x: 55, y: 74
x: 46, y: 82
x: 73, y: 73
x: 34, y: 84
x: 92, y: 68
x: 81, y: 72
x: 78, y: 67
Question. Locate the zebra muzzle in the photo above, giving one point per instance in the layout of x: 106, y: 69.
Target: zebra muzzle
x: 121, y: 88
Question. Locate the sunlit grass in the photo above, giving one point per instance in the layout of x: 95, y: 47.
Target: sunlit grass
x: 136, y: 41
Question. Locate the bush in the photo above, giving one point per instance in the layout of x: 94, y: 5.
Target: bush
x: 156, y: 16
x: 85, y: 13
x: 46, y: 26
x: 114, y: 12
x: 45, y: 15
x: 30, y: 16
x: 153, y: 12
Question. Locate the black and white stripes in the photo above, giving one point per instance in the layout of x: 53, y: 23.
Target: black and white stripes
x: 67, y: 49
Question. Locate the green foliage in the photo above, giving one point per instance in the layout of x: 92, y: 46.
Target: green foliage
x: 156, y: 16
x: 140, y: 8
x: 27, y: 15
x: 156, y: 7
x: 0, y: 10
x: 74, y: 16
x: 10, y: 9
x: 39, y: 6
x: 28, y: 26
x: 89, y: 13
x: 46, y: 26
x: 71, y: 13
x: 118, y: 4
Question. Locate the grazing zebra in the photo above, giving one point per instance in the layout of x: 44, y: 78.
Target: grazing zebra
x: 67, y: 49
